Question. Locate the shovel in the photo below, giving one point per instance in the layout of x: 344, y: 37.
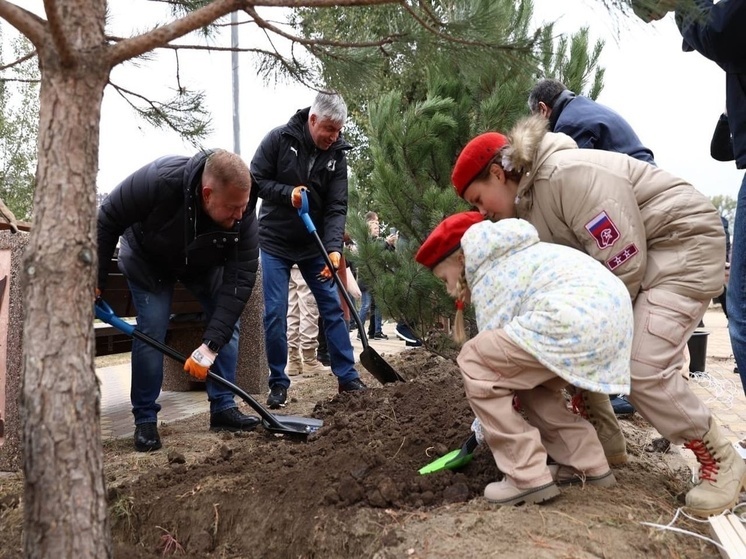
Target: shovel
x: 371, y: 360
x: 454, y: 459
x: 281, y: 424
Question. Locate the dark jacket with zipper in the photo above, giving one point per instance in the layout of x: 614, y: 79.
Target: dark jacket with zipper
x: 286, y: 158
x: 718, y: 32
x: 167, y: 236
x: 595, y: 126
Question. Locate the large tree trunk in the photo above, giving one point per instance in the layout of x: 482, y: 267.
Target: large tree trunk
x: 65, y: 507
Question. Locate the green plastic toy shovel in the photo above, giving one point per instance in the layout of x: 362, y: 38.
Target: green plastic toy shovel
x: 454, y: 459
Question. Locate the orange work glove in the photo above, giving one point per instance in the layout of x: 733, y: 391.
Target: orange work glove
x: 295, y: 197
x: 98, y: 294
x: 200, y: 362
x: 326, y: 273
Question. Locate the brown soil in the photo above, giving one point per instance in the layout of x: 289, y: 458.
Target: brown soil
x: 352, y: 489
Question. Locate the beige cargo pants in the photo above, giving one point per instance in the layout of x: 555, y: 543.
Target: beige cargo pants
x: 493, y: 368
x: 664, y: 321
x: 303, y: 314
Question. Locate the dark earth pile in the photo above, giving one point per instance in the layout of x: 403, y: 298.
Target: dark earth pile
x: 353, y: 489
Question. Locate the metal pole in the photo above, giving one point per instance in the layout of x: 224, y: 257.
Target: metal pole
x: 234, y: 76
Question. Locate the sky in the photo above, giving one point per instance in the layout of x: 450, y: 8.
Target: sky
x: 672, y: 99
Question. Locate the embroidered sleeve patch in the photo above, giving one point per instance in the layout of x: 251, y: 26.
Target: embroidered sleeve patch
x: 603, y: 230
x: 618, y: 259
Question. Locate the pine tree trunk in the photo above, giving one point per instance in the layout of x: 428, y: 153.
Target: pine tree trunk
x: 65, y: 499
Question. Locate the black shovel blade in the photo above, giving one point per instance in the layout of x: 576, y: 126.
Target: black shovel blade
x: 293, y: 425
x: 382, y: 371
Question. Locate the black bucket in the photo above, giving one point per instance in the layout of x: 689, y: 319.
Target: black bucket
x: 697, y: 345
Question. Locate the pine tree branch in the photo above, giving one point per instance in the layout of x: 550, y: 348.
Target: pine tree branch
x: 57, y: 30
x: 207, y: 48
x: 160, y: 116
x: 323, y: 3
x: 264, y: 24
x: 21, y: 60
x: 30, y: 25
x: 136, y: 46
x: 21, y: 80
x: 451, y: 38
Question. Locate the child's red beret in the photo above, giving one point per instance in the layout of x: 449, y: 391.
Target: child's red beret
x: 474, y: 158
x: 446, y: 238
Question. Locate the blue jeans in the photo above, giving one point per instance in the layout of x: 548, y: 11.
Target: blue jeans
x: 275, y: 280
x: 153, y: 313
x: 737, y: 286
x: 365, y: 305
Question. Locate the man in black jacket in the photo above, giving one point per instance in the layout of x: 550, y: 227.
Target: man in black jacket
x: 306, y: 154
x: 192, y: 220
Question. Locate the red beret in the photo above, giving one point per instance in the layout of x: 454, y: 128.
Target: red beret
x: 474, y: 158
x: 446, y: 238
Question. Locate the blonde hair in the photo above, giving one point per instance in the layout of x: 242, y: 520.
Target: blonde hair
x: 227, y: 168
x: 459, y: 329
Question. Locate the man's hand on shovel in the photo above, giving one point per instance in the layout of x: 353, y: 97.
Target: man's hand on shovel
x: 200, y: 362
x: 326, y: 274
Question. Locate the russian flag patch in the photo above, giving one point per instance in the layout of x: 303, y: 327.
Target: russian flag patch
x: 618, y: 259
x: 603, y: 230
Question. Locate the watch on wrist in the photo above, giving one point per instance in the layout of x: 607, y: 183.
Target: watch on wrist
x: 212, y: 346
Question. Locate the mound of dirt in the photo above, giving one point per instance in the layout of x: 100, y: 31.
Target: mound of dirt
x: 352, y: 489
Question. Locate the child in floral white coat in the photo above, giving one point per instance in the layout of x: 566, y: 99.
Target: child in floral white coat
x: 548, y: 315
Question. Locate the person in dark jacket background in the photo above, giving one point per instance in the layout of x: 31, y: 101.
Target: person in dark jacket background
x: 306, y: 154
x: 716, y: 31
x: 191, y: 220
x: 590, y: 124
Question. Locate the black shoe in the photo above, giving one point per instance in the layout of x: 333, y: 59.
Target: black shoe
x: 278, y: 397
x: 418, y: 343
x: 323, y: 358
x: 622, y: 406
x: 405, y: 333
x: 233, y: 420
x: 146, y: 437
x: 380, y: 336
x: 352, y: 386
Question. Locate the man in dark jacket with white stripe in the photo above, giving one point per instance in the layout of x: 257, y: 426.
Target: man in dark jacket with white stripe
x: 306, y: 154
x: 191, y: 220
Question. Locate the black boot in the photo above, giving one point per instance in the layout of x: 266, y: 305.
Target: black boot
x: 146, y: 437
x: 233, y: 420
x: 322, y: 352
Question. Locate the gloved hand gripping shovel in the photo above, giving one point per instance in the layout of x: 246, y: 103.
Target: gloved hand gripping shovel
x: 371, y: 360
x: 281, y: 424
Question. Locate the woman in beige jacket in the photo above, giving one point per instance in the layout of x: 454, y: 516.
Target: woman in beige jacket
x: 654, y: 231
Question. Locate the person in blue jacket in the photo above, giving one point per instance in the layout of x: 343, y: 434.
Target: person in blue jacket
x: 592, y: 125
x: 718, y: 32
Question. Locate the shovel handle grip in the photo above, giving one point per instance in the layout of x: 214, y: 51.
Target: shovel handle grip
x: 105, y: 313
x: 303, y: 212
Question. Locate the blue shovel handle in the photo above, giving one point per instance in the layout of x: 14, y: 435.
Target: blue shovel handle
x: 303, y: 212
x: 104, y: 312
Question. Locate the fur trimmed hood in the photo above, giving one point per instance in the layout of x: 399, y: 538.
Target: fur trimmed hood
x: 531, y: 144
x: 524, y: 138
